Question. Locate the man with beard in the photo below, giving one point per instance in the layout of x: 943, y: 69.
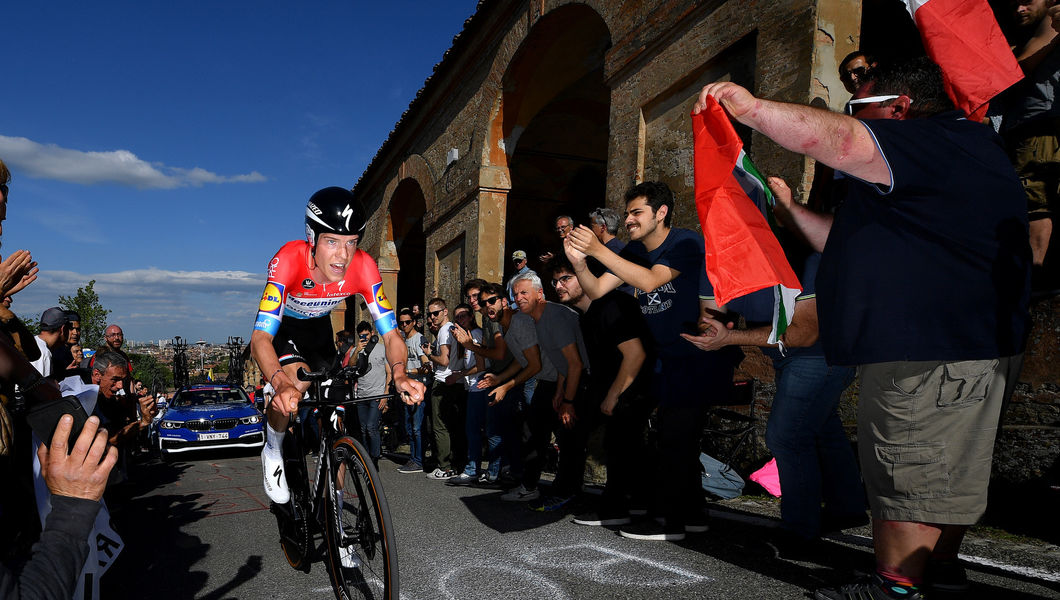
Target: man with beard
x: 666, y: 266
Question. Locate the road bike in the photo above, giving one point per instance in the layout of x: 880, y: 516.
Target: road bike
x: 345, y: 503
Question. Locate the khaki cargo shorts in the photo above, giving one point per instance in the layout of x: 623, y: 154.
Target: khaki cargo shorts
x: 1037, y: 162
x: 926, y: 434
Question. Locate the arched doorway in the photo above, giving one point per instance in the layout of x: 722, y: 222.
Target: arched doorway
x: 407, y: 208
x: 556, y: 110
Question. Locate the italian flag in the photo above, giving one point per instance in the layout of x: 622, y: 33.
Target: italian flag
x: 735, y: 210
x: 964, y: 39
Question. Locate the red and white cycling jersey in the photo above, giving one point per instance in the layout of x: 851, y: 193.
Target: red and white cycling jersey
x: 292, y: 293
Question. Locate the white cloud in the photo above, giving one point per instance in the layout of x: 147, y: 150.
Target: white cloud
x: 153, y: 304
x: 49, y: 161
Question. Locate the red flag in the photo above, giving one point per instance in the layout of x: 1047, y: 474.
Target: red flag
x: 742, y: 254
x: 964, y: 39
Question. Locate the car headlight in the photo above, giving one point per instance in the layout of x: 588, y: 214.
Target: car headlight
x: 171, y: 424
x: 251, y: 420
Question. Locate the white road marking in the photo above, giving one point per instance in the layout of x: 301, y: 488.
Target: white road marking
x: 612, y: 567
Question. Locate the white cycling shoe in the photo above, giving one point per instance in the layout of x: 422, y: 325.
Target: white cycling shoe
x: 348, y: 558
x: 275, y: 478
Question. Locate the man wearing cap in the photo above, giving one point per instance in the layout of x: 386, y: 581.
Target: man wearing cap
x: 519, y: 258
x: 51, y: 336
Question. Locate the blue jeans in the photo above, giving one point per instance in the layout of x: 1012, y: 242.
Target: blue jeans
x: 413, y: 428
x: 814, y: 457
x: 368, y: 414
x: 482, y: 418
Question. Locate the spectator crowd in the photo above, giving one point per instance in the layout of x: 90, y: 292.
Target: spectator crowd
x: 601, y: 331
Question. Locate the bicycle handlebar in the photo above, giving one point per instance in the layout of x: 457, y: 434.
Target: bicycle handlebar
x: 348, y: 373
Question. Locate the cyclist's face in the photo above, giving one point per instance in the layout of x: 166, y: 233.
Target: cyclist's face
x: 333, y: 254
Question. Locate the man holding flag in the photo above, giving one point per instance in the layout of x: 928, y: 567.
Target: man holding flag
x: 923, y: 285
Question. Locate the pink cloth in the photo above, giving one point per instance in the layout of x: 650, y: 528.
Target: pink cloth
x: 768, y: 477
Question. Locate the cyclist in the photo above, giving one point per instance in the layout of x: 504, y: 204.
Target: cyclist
x: 306, y: 280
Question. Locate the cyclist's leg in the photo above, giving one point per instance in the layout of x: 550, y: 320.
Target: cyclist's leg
x: 275, y: 479
x: 299, y: 343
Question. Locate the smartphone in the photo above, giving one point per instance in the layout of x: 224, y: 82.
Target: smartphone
x: 43, y: 417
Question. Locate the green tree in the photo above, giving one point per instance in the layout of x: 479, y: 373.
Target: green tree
x: 32, y: 323
x: 93, y: 316
x: 153, y: 373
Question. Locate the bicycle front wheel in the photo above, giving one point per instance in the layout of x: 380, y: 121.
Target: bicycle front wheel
x: 362, y: 554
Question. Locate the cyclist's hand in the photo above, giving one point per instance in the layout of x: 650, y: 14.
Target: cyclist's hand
x: 411, y: 391
x: 286, y: 399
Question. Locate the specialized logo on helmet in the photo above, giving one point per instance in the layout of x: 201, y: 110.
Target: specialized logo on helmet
x: 347, y: 212
x: 271, y: 299
x: 313, y: 207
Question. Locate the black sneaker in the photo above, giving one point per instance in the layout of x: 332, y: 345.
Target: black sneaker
x: 461, y: 479
x: 946, y: 578
x: 653, y: 531
x: 484, y: 481
x: 697, y: 523
x: 873, y: 588
x: 595, y: 519
x: 410, y: 467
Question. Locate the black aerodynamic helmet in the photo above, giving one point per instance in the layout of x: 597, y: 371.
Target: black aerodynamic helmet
x: 333, y: 210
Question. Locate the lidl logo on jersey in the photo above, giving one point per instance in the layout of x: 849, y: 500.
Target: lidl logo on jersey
x: 271, y: 298
x: 380, y: 298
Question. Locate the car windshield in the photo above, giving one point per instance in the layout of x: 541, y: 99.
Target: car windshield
x: 208, y: 397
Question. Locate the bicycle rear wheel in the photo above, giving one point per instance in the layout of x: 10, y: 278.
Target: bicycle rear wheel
x: 362, y: 553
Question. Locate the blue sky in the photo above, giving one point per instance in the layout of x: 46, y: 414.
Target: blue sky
x: 166, y: 150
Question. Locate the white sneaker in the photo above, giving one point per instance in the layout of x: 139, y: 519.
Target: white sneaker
x: 275, y: 479
x: 440, y: 474
x: 521, y: 494
x: 348, y: 558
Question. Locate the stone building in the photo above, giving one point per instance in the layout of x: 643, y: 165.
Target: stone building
x: 548, y: 107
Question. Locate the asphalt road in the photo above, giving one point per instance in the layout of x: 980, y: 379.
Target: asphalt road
x: 201, y: 528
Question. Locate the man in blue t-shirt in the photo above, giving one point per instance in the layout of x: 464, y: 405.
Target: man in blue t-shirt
x: 665, y: 264
x: 924, y: 285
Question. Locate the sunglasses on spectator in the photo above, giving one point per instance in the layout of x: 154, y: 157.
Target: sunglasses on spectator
x: 852, y: 106
x: 490, y: 301
x: 564, y: 279
x: 404, y: 322
x: 858, y: 72
x: 435, y: 313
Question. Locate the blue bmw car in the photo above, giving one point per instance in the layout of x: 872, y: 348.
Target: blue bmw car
x: 210, y: 416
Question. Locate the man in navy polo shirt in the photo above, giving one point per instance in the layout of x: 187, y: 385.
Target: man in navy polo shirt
x: 923, y: 284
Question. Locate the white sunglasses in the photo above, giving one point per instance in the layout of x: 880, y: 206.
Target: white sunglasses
x: 851, y: 104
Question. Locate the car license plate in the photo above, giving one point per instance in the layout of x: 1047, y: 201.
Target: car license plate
x: 213, y: 436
